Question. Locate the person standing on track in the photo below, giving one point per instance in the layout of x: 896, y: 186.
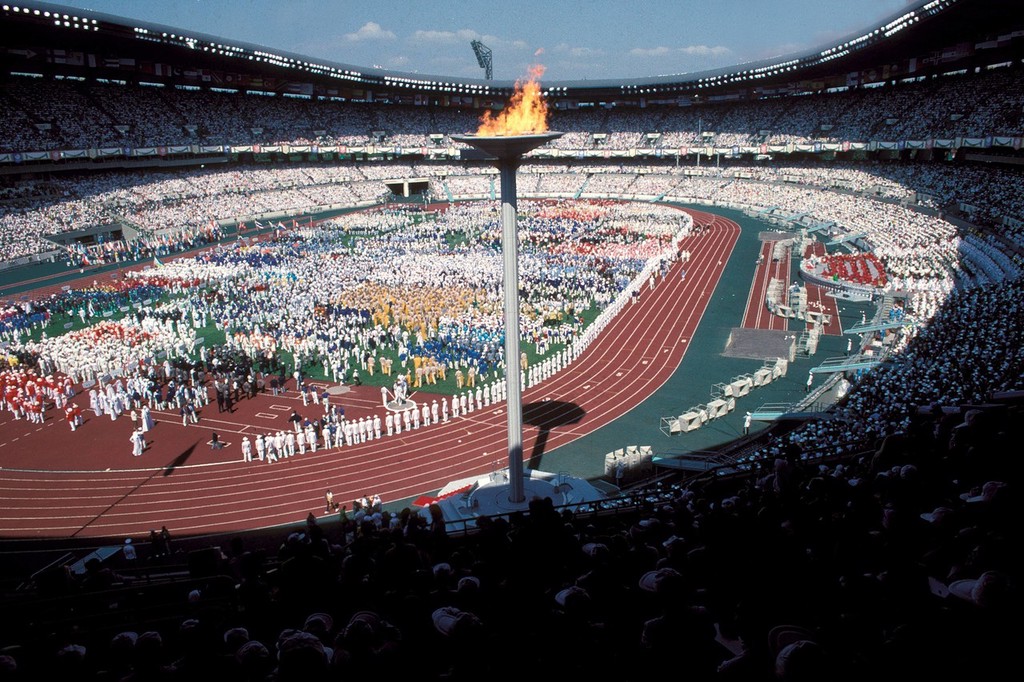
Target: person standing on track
x: 311, y: 437
x: 138, y: 440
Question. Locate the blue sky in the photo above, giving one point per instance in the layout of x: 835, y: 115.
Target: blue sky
x: 573, y: 39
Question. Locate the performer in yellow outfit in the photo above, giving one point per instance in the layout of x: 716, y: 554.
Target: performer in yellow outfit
x: 459, y: 379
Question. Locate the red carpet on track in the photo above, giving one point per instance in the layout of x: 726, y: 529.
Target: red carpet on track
x: 55, y: 483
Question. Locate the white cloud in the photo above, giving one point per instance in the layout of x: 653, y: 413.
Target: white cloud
x: 465, y: 35
x: 445, y: 37
x: 650, y: 51
x: 577, y: 52
x: 705, y: 51
x: 689, y: 50
x: 371, y: 30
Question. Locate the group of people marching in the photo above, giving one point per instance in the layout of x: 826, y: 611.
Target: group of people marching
x: 26, y: 394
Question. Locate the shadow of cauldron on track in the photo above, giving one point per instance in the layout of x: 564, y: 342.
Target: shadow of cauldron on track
x: 548, y: 415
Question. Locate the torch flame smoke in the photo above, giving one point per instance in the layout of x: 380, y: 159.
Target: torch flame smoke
x: 526, y: 113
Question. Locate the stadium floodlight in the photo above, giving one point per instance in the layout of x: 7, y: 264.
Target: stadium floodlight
x: 483, y: 58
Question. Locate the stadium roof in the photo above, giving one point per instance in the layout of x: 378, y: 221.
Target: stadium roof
x: 928, y: 36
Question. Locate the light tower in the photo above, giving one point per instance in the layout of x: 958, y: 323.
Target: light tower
x: 507, y: 152
x: 483, y: 58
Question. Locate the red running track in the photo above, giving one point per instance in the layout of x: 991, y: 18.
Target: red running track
x: 757, y: 315
x: 55, y: 483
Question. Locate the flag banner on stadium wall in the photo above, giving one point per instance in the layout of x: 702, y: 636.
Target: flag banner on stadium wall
x: 452, y: 152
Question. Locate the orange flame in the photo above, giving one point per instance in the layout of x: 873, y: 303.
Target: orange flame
x: 526, y: 113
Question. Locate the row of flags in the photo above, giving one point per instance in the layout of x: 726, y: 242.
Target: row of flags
x: 87, y: 254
